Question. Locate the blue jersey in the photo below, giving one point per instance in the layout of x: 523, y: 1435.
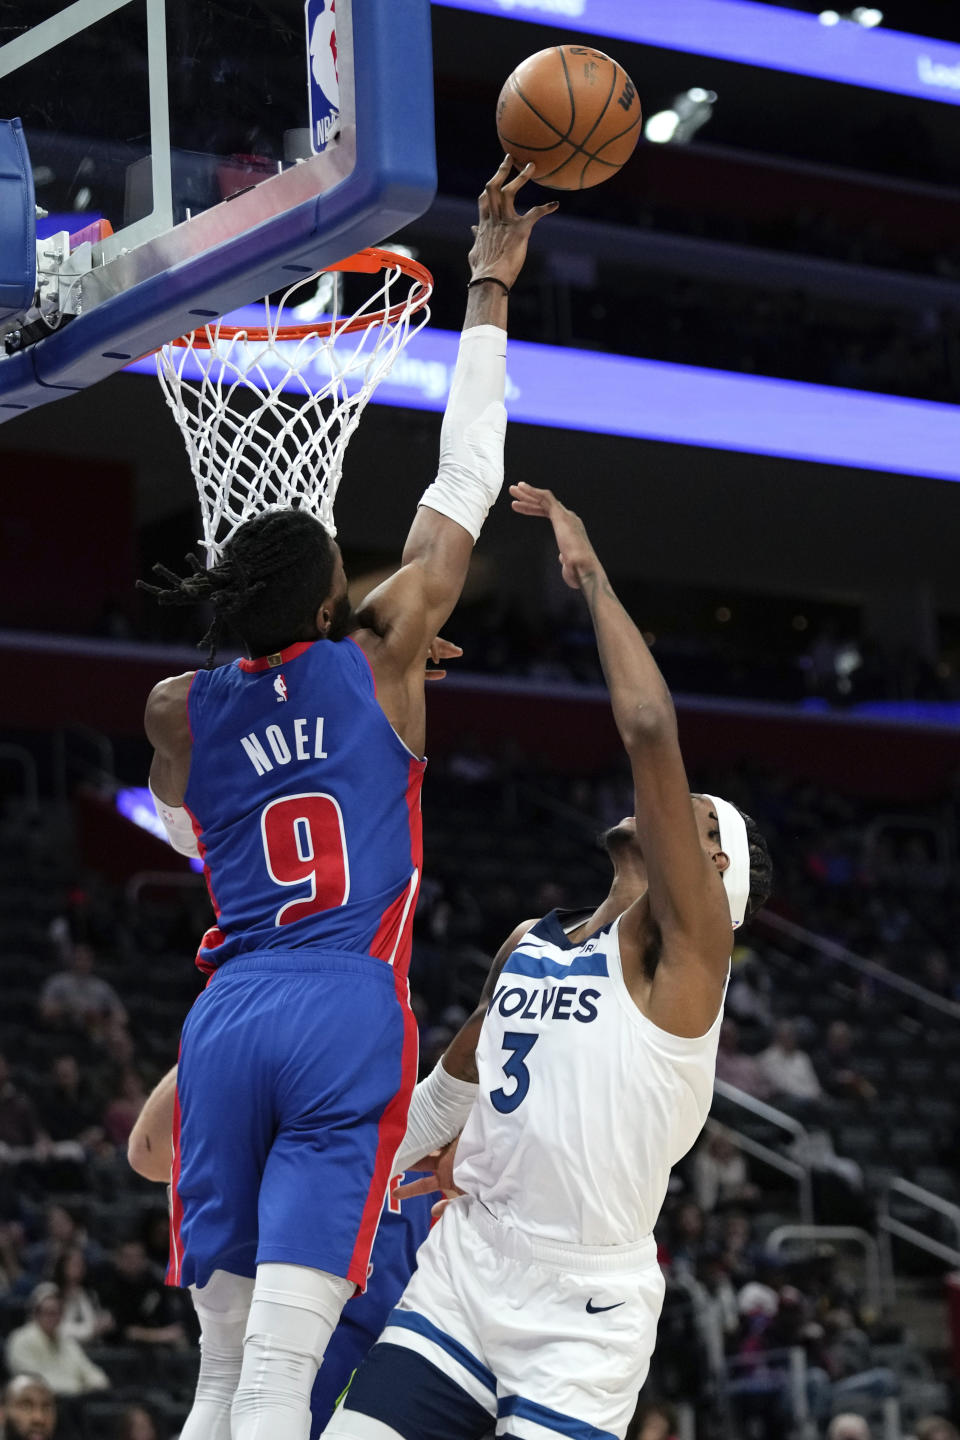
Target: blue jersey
x: 306, y: 807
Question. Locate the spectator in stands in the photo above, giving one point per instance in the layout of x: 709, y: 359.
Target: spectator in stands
x: 789, y: 1070
x: 116, y: 1053
x: 686, y: 1238
x: 136, y: 1423
x: 29, y: 1410
x: 656, y: 1421
x: 19, y: 1126
x: 84, y: 1318
x: 848, y: 1427
x: 11, y: 1257
x: 39, y: 1348
x: 935, y: 1427
x: 67, y: 1106
x: 743, y: 1071
x: 720, y: 1173
x: 748, y: 996
x: 133, y: 1292
x: 836, y: 1068
x: 738, y: 1251
x: 121, y: 1114
x: 77, y: 999
x: 62, y: 1234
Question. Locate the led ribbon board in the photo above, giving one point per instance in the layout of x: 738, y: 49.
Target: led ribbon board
x: 763, y: 35
x: 684, y: 404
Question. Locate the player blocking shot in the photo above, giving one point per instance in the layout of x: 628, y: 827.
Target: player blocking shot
x: 584, y: 1075
x: 295, y: 774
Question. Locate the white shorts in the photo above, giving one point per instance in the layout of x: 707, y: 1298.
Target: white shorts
x: 540, y: 1338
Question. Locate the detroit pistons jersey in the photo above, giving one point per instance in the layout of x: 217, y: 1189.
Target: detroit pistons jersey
x: 583, y: 1103
x: 306, y: 807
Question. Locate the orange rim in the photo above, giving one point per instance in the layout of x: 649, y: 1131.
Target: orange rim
x: 365, y: 262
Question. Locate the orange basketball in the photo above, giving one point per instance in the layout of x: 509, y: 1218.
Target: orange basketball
x: 574, y: 112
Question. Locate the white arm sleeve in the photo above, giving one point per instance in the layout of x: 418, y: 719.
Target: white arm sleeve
x: 439, y: 1109
x: 177, y: 824
x: 474, y: 427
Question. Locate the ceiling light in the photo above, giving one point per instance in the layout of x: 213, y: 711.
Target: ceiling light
x: 829, y: 17
x: 662, y: 127
x: 688, y: 113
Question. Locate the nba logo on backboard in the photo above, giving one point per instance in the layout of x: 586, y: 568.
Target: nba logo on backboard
x: 322, y: 69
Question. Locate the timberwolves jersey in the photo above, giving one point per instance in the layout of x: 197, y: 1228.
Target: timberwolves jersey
x: 306, y: 807
x: 584, y: 1104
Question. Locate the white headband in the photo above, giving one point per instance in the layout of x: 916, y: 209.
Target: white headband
x: 733, y: 841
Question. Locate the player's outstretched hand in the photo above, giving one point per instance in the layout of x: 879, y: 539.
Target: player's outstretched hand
x: 577, y: 556
x: 441, y: 1163
x: 501, y: 235
x: 439, y: 651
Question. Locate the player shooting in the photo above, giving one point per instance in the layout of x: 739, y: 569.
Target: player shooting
x: 535, y: 1303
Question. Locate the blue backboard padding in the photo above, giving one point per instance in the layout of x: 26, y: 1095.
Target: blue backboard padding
x: 393, y: 182
x: 18, y: 223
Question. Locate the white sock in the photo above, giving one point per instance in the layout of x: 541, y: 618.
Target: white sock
x: 292, y: 1316
x: 222, y: 1307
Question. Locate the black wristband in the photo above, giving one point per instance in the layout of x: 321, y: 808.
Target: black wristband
x: 489, y: 280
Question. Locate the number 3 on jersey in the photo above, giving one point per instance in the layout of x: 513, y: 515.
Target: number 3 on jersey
x: 520, y: 1044
x: 304, y: 844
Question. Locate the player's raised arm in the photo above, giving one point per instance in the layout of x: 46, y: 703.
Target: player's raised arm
x: 686, y: 900
x: 406, y: 610
x: 168, y: 730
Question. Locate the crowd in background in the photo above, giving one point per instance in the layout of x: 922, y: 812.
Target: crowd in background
x: 736, y: 324
x: 92, y: 1022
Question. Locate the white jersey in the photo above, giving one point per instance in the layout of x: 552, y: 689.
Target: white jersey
x: 584, y: 1104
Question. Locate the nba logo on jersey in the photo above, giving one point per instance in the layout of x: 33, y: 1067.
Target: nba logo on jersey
x: 324, y: 83
x: 280, y: 685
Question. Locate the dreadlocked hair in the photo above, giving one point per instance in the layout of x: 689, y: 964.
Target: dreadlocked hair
x: 761, y: 866
x: 275, y: 572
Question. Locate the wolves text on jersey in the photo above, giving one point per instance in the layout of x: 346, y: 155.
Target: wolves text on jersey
x: 554, y: 1002
x: 296, y: 744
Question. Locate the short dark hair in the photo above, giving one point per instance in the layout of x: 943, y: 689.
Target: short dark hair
x: 761, y: 866
x: 274, y: 574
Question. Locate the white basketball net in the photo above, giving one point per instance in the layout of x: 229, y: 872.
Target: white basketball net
x: 266, y: 420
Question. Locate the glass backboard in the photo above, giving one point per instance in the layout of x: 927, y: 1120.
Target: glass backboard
x: 217, y: 147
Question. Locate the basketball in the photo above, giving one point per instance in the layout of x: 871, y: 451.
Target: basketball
x: 574, y: 112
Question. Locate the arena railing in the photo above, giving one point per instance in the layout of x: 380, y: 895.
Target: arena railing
x: 831, y: 950
x: 780, y: 1240
x: 797, y: 1170
x: 793, y: 1364
x: 890, y: 1226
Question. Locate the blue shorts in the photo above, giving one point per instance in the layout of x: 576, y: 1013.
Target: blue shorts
x: 393, y: 1261
x: 295, y: 1075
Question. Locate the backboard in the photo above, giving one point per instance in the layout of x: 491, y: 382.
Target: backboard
x: 228, y: 145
